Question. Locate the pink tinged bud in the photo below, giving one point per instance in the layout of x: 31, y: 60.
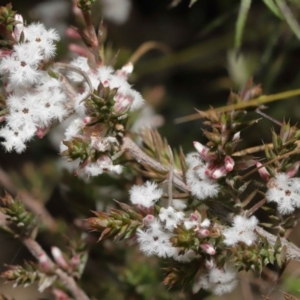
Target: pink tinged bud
x: 122, y: 104
x: 211, y: 167
x: 228, y: 163
x: 87, y: 120
x: 60, y: 295
x: 208, y: 248
x: 194, y: 217
x: 59, y: 258
x: 148, y: 220
x: 218, y: 173
x: 202, y: 233
x: 236, y: 136
x: 18, y: 28
x: 72, y: 33
x: 41, y: 132
x: 105, y: 83
x: 264, y: 174
x: 104, y: 161
x: 78, y: 50
x: 291, y: 172
x: 202, y: 150
x: 2, y: 119
x: 45, y: 262
x: 75, y: 261
x: 209, y: 264
x: 5, y: 52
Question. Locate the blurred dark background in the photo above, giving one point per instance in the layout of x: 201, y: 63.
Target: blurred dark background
x: 198, y: 71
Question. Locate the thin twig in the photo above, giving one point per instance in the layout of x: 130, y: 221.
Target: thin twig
x: 69, y: 67
x: 68, y: 281
x: 171, y: 176
x: 255, y: 207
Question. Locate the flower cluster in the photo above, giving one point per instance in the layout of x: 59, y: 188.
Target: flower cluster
x: 93, y: 136
x: 284, y: 191
x: 154, y: 238
x: 34, y: 98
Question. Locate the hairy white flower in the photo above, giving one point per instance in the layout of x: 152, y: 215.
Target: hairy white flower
x: 218, y: 280
x: 285, y: 192
x: 201, y: 187
x: 171, y: 217
x: 44, y: 40
x: 155, y: 242
x: 241, y: 231
x: 145, y: 195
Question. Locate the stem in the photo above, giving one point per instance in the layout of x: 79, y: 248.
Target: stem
x: 145, y: 47
x: 69, y: 282
x: 79, y: 71
x: 242, y: 105
x: 171, y: 175
x: 255, y: 207
x: 270, y: 162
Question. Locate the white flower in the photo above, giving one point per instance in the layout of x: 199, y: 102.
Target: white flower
x: 285, y: 192
x: 171, y: 217
x: 242, y: 231
x: 155, y: 242
x: 145, y: 195
x: 179, y: 204
x: 22, y: 65
x: 218, y: 280
x: 201, y: 188
x: 43, y: 39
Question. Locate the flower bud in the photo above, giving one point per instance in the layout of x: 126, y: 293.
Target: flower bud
x: 228, y: 163
x: 60, y: 295
x: 148, y: 220
x: 208, y: 248
x: 45, y: 262
x: 202, y: 233
x: 59, y: 258
x: 209, y: 264
x: 264, y: 174
x: 18, y: 28
x: 291, y: 172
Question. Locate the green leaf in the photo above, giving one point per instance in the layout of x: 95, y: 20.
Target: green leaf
x: 273, y: 8
x: 241, y: 21
x: 289, y: 17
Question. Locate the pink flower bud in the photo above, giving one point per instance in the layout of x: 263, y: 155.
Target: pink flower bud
x: 60, y: 295
x: 236, y: 136
x: 194, y: 216
x: 122, y: 103
x: 45, y: 262
x: 264, y: 174
x: 75, y: 261
x: 208, y: 248
x: 72, y: 33
x: 228, y: 163
x: 202, y: 150
x: 125, y: 71
x: 202, y: 233
x: 18, y: 28
x: 291, y: 172
x: 219, y: 172
x: 148, y: 220
x: 78, y: 50
x: 59, y: 258
x: 209, y: 264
